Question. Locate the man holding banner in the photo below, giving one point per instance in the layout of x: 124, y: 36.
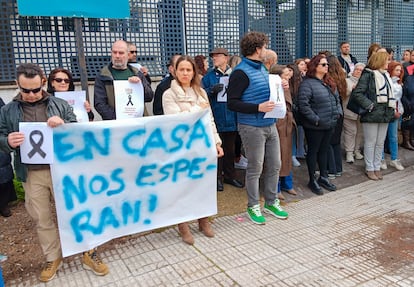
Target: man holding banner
x: 33, y: 104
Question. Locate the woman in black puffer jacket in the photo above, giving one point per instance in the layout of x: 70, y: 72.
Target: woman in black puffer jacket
x: 7, y: 192
x: 319, y: 108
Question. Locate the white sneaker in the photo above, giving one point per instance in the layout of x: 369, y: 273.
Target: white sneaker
x: 349, y: 157
x: 358, y: 155
x: 242, y: 164
x: 243, y: 159
x: 295, y: 162
x: 397, y: 164
x: 384, y: 164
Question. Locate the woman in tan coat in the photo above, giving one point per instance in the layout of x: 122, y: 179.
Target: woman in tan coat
x: 285, y: 128
x: 186, y: 95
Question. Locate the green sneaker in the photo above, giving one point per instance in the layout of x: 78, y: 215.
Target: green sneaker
x: 275, y: 210
x: 255, y: 214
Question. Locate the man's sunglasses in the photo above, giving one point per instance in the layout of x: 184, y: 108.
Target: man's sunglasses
x: 59, y: 80
x: 28, y: 91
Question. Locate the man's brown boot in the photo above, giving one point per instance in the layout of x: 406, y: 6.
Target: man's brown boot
x: 184, y: 229
x: 205, y: 227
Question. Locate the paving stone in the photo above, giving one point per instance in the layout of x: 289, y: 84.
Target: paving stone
x: 327, y: 241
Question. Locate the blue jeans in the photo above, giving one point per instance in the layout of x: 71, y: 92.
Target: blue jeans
x: 392, y: 134
x: 1, y: 278
x: 285, y: 182
x: 294, y: 143
x: 300, y: 143
x: 261, y: 143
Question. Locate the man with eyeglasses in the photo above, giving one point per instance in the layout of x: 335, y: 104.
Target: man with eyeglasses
x: 118, y: 69
x: 132, y: 59
x: 33, y: 104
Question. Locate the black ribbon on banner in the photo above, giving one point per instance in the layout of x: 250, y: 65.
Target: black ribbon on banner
x: 36, y: 145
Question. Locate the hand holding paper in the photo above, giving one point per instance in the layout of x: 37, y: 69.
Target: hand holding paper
x: 278, y: 97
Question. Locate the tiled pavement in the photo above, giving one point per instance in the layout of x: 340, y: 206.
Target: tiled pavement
x: 358, y: 236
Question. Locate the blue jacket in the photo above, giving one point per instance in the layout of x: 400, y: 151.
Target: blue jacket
x: 257, y: 92
x: 226, y: 120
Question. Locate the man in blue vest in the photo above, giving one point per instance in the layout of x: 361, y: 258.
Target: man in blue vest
x: 248, y: 95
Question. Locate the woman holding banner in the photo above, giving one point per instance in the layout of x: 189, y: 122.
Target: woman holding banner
x: 186, y: 95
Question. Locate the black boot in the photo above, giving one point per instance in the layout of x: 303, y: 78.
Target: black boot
x: 5, y: 211
x: 220, y: 186
x: 314, y: 187
x: 325, y: 183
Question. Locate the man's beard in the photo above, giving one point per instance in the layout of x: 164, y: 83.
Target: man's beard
x: 118, y: 65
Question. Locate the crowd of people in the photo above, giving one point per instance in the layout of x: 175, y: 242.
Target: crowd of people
x: 336, y: 107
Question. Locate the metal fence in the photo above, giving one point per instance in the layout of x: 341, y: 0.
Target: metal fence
x: 162, y: 28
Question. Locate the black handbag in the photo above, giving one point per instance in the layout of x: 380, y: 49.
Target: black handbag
x: 353, y: 106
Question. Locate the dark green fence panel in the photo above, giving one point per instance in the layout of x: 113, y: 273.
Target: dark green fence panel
x: 162, y: 28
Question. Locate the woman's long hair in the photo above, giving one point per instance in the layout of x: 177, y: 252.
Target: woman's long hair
x: 199, y: 60
x: 295, y: 80
x: 51, y: 77
x: 311, y: 73
x: 338, y: 74
x: 195, y: 81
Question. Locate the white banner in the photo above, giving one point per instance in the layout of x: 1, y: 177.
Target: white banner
x: 114, y: 178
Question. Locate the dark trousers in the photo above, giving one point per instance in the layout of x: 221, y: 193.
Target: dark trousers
x: 319, y: 142
x: 237, y: 145
x: 7, y: 193
x: 226, y: 163
x: 334, y: 159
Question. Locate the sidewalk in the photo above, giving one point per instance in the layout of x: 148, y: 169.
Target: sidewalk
x: 362, y: 235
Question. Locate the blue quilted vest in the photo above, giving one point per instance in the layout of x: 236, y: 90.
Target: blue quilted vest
x: 257, y: 92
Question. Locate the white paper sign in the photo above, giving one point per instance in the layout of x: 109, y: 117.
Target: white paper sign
x: 77, y: 100
x: 114, y: 178
x: 222, y: 96
x: 136, y: 65
x: 37, y: 147
x: 277, y: 95
x: 129, y: 100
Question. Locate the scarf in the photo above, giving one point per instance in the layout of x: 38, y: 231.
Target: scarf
x: 384, y: 89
